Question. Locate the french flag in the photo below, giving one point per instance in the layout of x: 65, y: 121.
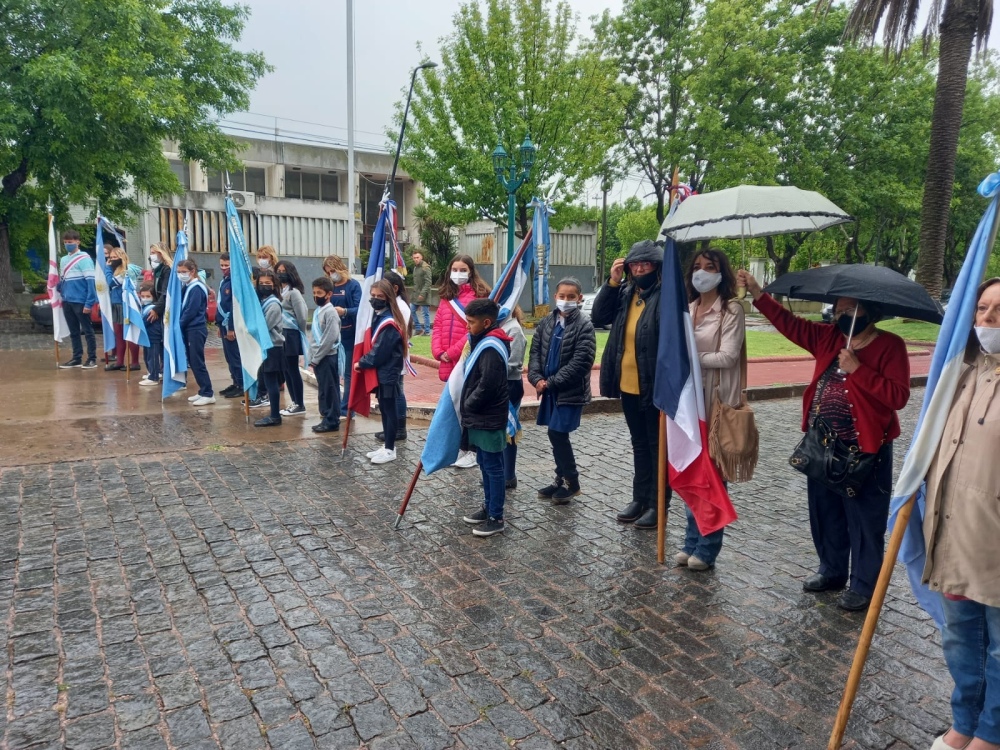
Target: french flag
x: 677, y: 392
x: 363, y: 382
x: 942, y: 382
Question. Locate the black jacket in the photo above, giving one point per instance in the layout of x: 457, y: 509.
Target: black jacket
x: 161, y: 277
x: 571, y: 383
x: 386, y: 355
x: 484, y: 396
x: 611, y: 306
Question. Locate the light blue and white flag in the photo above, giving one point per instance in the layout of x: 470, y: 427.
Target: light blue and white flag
x: 174, y: 355
x: 515, y: 276
x: 542, y: 248
x: 101, y: 274
x: 133, y: 324
x: 247, y: 317
x: 942, y: 382
x: 444, y: 436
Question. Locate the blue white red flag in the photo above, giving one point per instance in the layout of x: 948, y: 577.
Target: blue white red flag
x: 942, y: 382
x: 174, y: 355
x: 514, y: 277
x: 60, y: 329
x: 101, y: 274
x: 247, y: 316
x: 133, y: 324
x: 678, y: 393
x: 363, y: 382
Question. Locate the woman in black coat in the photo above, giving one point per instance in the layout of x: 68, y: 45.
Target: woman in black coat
x: 628, y: 367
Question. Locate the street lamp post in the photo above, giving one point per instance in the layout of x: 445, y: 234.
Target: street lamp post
x: 511, y: 179
x: 390, y: 183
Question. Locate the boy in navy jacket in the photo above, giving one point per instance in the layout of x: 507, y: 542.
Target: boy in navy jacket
x: 223, y: 319
x: 153, y: 354
x: 194, y: 329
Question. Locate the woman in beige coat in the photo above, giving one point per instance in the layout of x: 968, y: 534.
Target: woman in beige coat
x: 718, y: 333
x: 962, y: 534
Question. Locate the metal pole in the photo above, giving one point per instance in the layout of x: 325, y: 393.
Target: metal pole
x: 511, y: 210
x: 408, y: 495
x: 661, y: 492
x: 351, y: 234
x: 604, y: 227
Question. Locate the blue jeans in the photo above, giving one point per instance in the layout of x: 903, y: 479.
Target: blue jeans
x: 154, y: 357
x: 971, y: 643
x: 491, y: 464
x: 705, y: 548
x: 415, y: 312
x: 401, y: 405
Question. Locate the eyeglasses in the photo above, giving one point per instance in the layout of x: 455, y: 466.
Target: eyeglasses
x: 642, y: 265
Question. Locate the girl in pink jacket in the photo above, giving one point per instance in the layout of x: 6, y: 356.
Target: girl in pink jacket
x: 460, y: 285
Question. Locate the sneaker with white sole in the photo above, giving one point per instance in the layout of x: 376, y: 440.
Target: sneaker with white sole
x: 203, y: 401
x: 384, y: 456
x: 696, y: 563
x: 466, y: 460
x: 294, y: 410
x: 491, y: 527
x: 194, y: 398
x: 681, y: 558
x: 477, y: 517
x: 147, y: 381
x: 372, y: 454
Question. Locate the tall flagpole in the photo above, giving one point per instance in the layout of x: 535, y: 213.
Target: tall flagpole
x: 350, y: 137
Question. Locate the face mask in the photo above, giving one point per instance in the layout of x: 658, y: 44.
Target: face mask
x: 265, y: 291
x: 705, y: 281
x: 459, y: 277
x: 71, y: 247
x: 646, y: 281
x: 263, y: 263
x: 379, y: 304
x: 320, y: 301
x: 336, y: 278
x: 284, y: 278
x: 146, y: 301
x: 154, y: 263
x: 844, y: 324
x: 184, y: 277
x: 566, y: 305
x: 989, y: 339
x: 115, y: 263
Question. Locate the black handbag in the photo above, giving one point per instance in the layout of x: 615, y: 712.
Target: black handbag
x: 823, y: 456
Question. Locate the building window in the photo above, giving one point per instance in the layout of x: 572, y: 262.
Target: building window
x: 182, y: 171
x: 311, y: 186
x: 246, y: 180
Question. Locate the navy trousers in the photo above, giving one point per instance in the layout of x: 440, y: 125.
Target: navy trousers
x: 154, y: 357
x: 194, y: 344
x: 232, y: 351
x: 328, y: 382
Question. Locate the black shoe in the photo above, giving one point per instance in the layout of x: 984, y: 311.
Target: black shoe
x: 380, y: 436
x: 268, y: 422
x: 510, y: 484
x: 324, y: 427
x: 256, y: 403
x: 647, y: 520
x: 236, y: 392
x: 90, y: 364
x: 480, y: 516
x: 491, y: 527
x: 631, y: 513
x: 112, y: 368
x: 852, y: 601
x: 546, y: 493
x: 71, y: 364
x: 818, y: 582
x: 563, y: 494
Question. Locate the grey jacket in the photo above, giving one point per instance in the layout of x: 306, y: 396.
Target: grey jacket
x: 518, y: 345
x: 275, y: 326
x: 326, y: 323
x: 293, y: 302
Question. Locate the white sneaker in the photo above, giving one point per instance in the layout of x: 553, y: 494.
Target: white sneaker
x: 147, y: 381
x: 203, y: 401
x: 466, y: 460
x: 372, y: 454
x: 193, y: 398
x: 384, y: 456
x: 681, y: 558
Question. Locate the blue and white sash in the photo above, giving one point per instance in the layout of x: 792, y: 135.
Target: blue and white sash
x: 187, y: 291
x: 288, y: 321
x: 338, y: 350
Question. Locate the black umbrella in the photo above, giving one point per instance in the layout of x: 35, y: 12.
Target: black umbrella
x: 890, y: 290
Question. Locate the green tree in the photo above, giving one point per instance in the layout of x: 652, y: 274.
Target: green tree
x: 92, y: 88
x: 510, y: 67
x: 636, y: 226
x: 436, y: 237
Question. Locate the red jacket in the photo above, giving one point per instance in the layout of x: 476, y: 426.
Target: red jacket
x: 878, y: 388
x: 450, y: 332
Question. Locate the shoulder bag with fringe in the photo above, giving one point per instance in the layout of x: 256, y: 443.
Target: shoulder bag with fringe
x: 733, y: 441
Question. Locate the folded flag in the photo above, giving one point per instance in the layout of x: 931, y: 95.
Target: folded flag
x: 133, y: 323
x: 60, y: 329
x: 101, y: 274
x: 174, y: 354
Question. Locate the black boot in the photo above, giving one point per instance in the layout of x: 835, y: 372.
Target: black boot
x: 632, y: 512
x: 647, y: 520
x: 546, y: 493
x: 564, y: 493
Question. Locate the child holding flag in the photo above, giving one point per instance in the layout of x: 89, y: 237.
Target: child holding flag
x: 230, y: 348
x: 194, y: 329
x: 484, y: 407
x: 324, y: 351
x: 79, y: 295
x: 152, y: 354
x: 389, y: 342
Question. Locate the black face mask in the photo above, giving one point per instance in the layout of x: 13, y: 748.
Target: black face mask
x: 115, y: 263
x: 379, y: 304
x: 844, y: 324
x: 285, y: 278
x: 320, y: 301
x: 264, y: 292
x: 645, y: 281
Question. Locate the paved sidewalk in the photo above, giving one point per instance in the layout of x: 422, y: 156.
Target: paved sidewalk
x: 233, y: 594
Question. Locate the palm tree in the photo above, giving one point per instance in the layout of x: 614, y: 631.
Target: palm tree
x: 961, y: 24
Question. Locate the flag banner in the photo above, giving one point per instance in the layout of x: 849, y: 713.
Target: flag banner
x: 947, y: 365
x: 399, y: 262
x: 247, y: 316
x: 542, y: 248
x: 60, y: 329
x: 174, y: 355
x: 101, y: 273
x: 133, y: 324
x: 677, y: 392
x: 515, y: 276
x: 366, y: 381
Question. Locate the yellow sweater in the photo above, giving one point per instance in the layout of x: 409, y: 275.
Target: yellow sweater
x: 630, y: 368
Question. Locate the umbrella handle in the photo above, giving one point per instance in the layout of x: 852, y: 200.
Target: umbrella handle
x: 741, y: 290
x: 850, y: 335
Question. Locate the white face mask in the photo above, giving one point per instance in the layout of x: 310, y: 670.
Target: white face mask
x: 263, y: 262
x: 459, y: 277
x: 336, y: 278
x: 146, y: 301
x: 705, y: 281
x: 184, y: 277
x: 566, y: 305
x: 989, y: 339
x: 153, y: 262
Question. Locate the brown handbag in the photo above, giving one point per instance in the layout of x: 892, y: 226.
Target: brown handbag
x: 733, y: 440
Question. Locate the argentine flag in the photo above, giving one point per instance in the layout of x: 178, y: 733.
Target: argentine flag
x: 174, y: 355
x: 133, y: 324
x: 942, y: 382
x: 248, y: 321
x: 101, y: 282
x: 542, y: 248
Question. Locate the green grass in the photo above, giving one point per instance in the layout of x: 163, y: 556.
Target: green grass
x: 911, y: 330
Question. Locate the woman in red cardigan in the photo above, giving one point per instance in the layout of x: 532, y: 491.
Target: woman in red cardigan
x: 858, y: 392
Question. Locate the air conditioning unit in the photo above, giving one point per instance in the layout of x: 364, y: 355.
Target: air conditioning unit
x: 244, y: 201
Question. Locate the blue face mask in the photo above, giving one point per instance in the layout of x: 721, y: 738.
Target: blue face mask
x: 71, y: 247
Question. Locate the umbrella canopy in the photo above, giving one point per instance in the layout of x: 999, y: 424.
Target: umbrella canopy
x: 892, y: 291
x: 752, y: 211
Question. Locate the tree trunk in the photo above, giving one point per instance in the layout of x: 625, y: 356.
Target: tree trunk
x: 958, y: 31
x: 7, y: 305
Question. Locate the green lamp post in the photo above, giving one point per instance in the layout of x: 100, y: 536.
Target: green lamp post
x: 506, y: 170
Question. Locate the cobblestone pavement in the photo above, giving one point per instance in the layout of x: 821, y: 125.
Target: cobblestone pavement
x: 257, y: 597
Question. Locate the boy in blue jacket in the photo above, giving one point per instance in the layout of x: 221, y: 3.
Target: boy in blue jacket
x: 223, y: 319
x: 153, y: 354
x: 79, y: 295
x: 194, y: 329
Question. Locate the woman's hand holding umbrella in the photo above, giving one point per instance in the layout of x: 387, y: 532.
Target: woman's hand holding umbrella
x: 745, y: 280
